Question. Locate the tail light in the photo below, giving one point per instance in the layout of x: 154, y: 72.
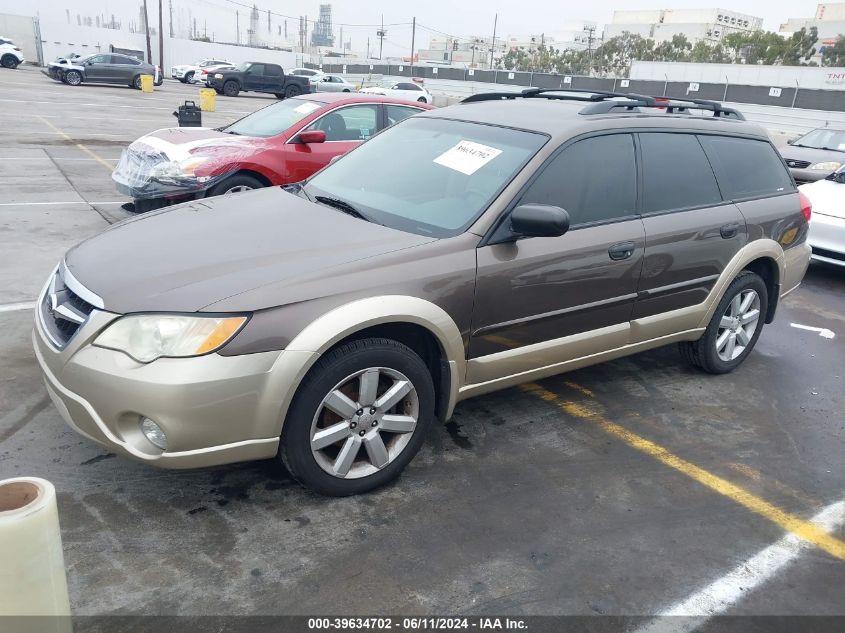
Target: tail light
x: 806, y: 206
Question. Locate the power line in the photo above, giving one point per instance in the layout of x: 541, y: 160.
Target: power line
x: 282, y: 15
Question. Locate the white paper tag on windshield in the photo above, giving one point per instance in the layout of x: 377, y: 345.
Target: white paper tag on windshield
x: 306, y: 107
x: 467, y: 157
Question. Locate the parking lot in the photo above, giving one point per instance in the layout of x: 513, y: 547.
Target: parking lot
x: 635, y: 487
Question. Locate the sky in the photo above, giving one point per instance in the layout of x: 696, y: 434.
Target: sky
x: 472, y: 17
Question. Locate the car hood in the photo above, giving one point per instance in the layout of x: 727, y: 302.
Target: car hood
x: 179, y: 143
x: 187, y: 257
x: 812, y: 154
x: 827, y: 197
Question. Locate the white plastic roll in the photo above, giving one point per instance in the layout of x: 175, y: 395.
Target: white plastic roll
x: 32, y: 569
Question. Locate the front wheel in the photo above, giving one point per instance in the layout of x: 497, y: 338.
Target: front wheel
x: 358, y: 418
x: 9, y: 61
x: 422, y: 100
x: 235, y: 184
x: 73, y: 78
x: 231, y: 89
x: 189, y: 77
x: 734, y: 329
x: 279, y: 95
x: 136, y: 83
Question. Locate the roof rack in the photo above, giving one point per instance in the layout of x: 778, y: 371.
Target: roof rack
x: 604, y: 102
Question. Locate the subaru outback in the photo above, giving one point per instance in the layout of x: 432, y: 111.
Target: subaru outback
x: 464, y: 250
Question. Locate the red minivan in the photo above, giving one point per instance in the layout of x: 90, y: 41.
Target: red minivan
x: 281, y: 144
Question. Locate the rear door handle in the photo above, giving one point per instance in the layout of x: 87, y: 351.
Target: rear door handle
x: 727, y: 231
x: 620, y: 251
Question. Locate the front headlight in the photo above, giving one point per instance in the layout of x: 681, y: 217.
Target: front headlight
x: 177, y: 168
x: 146, y: 337
x: 828, y: 166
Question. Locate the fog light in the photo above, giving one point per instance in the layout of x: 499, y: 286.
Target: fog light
x: 153, y: 432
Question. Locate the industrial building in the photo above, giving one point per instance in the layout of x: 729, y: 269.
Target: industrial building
x: 829, y: 20
x: 660, y: 25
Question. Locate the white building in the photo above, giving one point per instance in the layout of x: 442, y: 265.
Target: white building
x: 660, y: 25
x: 829, y: 20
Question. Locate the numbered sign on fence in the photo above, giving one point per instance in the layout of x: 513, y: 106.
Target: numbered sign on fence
x: 510, y: 75
x: 693, y: 87
x: 625, y: 83
x: 401, y: 69
x: 567, y: 80
x: 774, y: 92
x: 434, y: 70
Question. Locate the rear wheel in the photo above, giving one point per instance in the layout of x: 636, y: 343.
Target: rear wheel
x: 358, y: 418
x: 136, y: 82
x: 734, y: 329
x: 231, y: 89
x: 422, y: 100
x: 292, y: 91
x: 279, y: 95
x: 188, y: 78
x: 9, y: 61
x: 73, y: 77
x: 235, y: 184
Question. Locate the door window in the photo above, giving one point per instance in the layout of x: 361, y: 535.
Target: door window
x: 595, y: 180
x: 272, y: 71
x: 746, y: 168
x: 124, y: 61
x: 676, y: 173
x: 99, y: 59
x: 353, y: 123
x: 396, y: 113
x: 256, y: 69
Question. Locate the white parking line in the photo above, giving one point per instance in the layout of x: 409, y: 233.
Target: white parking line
x: 13, y: 307
x: 822, y: 331
x: 42, y: 204
x: 720, y: 595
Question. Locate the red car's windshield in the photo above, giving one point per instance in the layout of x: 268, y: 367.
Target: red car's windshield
x: 273, y: 119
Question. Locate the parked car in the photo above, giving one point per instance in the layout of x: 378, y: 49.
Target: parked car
x: 461, y: 251
x: 282, y: 143
x: 333, y: 83
x: 816, y: 155
x: 259, y: 77
x: 401, y: 90
x: 10, y: 55
x: 186, y: 72
x: 104, y: 68
x: 205, y: 75
x: 827, y: 229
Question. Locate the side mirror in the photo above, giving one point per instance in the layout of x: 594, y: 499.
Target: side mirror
x: 311, y: 136
x: 790, y: 141
x: 539, y: 220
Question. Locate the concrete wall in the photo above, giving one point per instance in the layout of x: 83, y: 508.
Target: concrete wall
x: 59, y: 38
x: 189, y: 51
x: 751, y: 75
x: 22, y: 31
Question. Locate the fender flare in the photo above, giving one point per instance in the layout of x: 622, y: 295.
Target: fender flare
x: 324, y: 332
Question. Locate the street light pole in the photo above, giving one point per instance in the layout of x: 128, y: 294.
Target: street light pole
x: 493, y: 43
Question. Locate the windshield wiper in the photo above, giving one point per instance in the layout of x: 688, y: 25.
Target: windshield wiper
x: 831, y: 149
x: 343, y: 205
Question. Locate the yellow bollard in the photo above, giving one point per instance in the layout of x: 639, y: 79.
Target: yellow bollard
x: 146, y: 83
x: 208, y: 98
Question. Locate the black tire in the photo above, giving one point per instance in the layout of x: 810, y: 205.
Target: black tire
x: 231, y: 88
x: 703, y: 353
x: 188, y: 78
x: 182, y: 79
x: 9, y: 61
x: 143, y: 206
x: 136, y: 82
x: 72, y: 77
x: 218, y: 91
x: 238, y: 180
x: 422, y: 100
x: 292, y: 91
x: 279, y: 95
x: 346, y: 90
x: 295, y: 449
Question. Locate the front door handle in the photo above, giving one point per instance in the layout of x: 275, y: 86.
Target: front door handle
x: 727, y: 231
x: 620, y: 251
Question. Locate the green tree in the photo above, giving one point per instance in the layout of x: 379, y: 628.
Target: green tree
x: 616, y: 54
x: 799, y: 48
x: 677, y: 49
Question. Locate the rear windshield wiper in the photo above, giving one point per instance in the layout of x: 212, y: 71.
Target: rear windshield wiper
x: 344, y: 206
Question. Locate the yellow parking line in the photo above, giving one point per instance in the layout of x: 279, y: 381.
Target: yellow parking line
x: 789, y: 522
x: 99, y: 159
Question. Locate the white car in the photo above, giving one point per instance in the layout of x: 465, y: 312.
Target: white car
x: 333, y: 83
x: 204, y: 75
x: 314, y: 76
x: 10, y: 55
x: 827, y: 225
x: 406, y: 90
x: 185, y: 73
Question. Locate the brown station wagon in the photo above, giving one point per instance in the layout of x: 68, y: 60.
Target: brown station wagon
x: 464, y: 250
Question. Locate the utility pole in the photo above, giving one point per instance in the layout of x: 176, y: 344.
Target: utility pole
x: 161, y: 36
x: 171, y: 18
x: 380, y: 34
x: 493, y: 43
x: 269, y: 29
x: 590, y: 31
x: 342, y: 49
x: 238, y: 27
x: 368, y: 47
x: 147, y: 30
x: 413, y: 36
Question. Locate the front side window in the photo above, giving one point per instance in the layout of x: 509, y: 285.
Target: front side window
x: 272, y: 71
x: 747, y: 168
x: 428, y: 176
x: 256, y: 69
x: 273, y: 119
x: 353, y: 123
x: 99, y: 59
x: 676, y: 173
x: 595, y: 180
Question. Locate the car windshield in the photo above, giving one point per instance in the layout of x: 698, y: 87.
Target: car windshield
x: 823, y: 139
x: 426, y: 175
x: 273, y: 119
x: 243, y: 67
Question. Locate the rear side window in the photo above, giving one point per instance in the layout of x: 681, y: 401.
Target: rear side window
x: 396, y: 113
x: 594, y: 180
x: 272, y: 71
x: 676, y: 173
x: 746, y: 168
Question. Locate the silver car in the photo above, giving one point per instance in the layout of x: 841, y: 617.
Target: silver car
x: 333, y: 83
x: 827, y: 226
x: 816, y: 155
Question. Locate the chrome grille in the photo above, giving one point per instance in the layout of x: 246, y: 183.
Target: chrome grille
x: 63, y: 311
x: 797, y: 164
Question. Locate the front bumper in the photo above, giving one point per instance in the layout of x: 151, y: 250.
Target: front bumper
x: 827, y: 239
x: 809, y: 175
x: 214, y: 409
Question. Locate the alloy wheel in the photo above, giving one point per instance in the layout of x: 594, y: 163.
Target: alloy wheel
x: 364, y: 422
x: 236, y: 189
x: 738, y: 324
